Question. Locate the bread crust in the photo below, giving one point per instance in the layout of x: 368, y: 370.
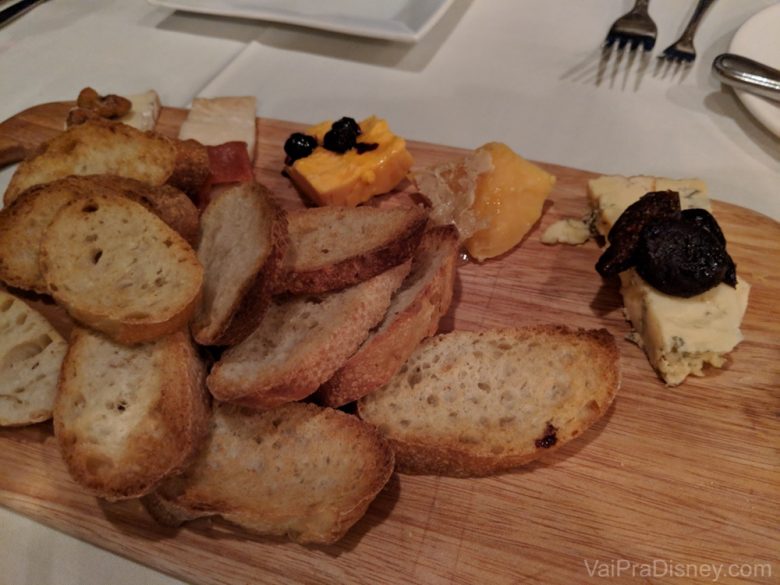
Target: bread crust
x: 442, y: 454
x: 248, y: 375
x: 254, y: 296
x: 380, y: 357
x: 159, y: 442
x: 190, y: 168
x: 102, y: 146
x: 289, y: 501
x: 397, y: 247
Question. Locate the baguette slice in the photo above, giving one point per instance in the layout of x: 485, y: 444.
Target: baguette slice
x: 101, y: 147
x: 472, y: 404
x: 300, y: 470
x: 413, y: 315
x: 23, y: 223
x: 241, y: 248
x: 118, y: 268
x: 301, y: 342
x: 126, y: 417
x: 335, y: 247
x: 31, y: 352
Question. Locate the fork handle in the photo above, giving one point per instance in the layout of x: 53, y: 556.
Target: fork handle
x: 693, y: 23
x: 641, y: 6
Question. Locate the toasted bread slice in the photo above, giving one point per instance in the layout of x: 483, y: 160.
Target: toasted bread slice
x: 118, y: 268
x: 241, y: 248
x: 472, y: 404
x: 31, y: 352
x: 100, y: 147
x: 335, y: 247
x: 126, y: 417
x: 23, y: 223
x: 301, y: 342
x: 413, y: 315
x: 299, y: 470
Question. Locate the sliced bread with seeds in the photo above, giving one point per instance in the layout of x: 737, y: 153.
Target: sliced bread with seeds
x: 335, y: 247
x: 413, y: 315
x: 299, y: 470
x: 126, y: 417
x: 31, y: 352
x: 23, y: 223
x: 473, y: 404
x: 301, y: 342
x: 117, y: 267
x: 243, y: 240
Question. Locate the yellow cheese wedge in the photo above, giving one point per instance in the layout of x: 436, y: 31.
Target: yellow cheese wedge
x: 508, y: 199
x: 331, y: 178
x: 493, y: 196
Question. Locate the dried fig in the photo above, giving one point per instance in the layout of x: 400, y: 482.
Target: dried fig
x: 681, y: 258
x: 625, y: 233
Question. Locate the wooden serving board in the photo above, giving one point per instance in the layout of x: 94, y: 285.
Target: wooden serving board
x: 684, y: 476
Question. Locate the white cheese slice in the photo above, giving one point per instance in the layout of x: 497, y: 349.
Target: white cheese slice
x: 144, y: 112
x: 679, y: 335
x: 225, y: 119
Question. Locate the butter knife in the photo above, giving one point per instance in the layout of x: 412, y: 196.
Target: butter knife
x: 746, y: 74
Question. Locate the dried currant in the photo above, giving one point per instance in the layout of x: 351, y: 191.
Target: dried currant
x: 680, y: 258
x: 346, y: 124
x: 342, y: 135
x: 299, y: 145
x: 625, y: 233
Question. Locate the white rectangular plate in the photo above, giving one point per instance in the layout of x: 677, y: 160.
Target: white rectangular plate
x: 395, y: 20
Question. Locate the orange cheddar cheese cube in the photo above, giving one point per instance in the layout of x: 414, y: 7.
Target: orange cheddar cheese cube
x: 332, y: 178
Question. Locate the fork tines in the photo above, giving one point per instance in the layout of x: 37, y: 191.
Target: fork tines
x: 634, y: 29
x: 631, y: 40
x: 675, y: 53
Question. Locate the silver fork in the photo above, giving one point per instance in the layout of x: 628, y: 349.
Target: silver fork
x: 683, y: 50
x: 634, y: 28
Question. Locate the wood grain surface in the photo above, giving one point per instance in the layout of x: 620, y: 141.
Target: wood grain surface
x: 685, y: 477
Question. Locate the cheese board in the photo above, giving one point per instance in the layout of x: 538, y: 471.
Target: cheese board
x: 671, y: 478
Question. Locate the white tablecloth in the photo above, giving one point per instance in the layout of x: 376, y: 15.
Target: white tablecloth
x: 520, y: 71
x: 496, y: 71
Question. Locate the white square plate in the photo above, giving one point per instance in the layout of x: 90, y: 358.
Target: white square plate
x: 395, y: 20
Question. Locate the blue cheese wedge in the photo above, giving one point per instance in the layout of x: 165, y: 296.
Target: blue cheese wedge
x: 567, y: 231
x: 679, y: 335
